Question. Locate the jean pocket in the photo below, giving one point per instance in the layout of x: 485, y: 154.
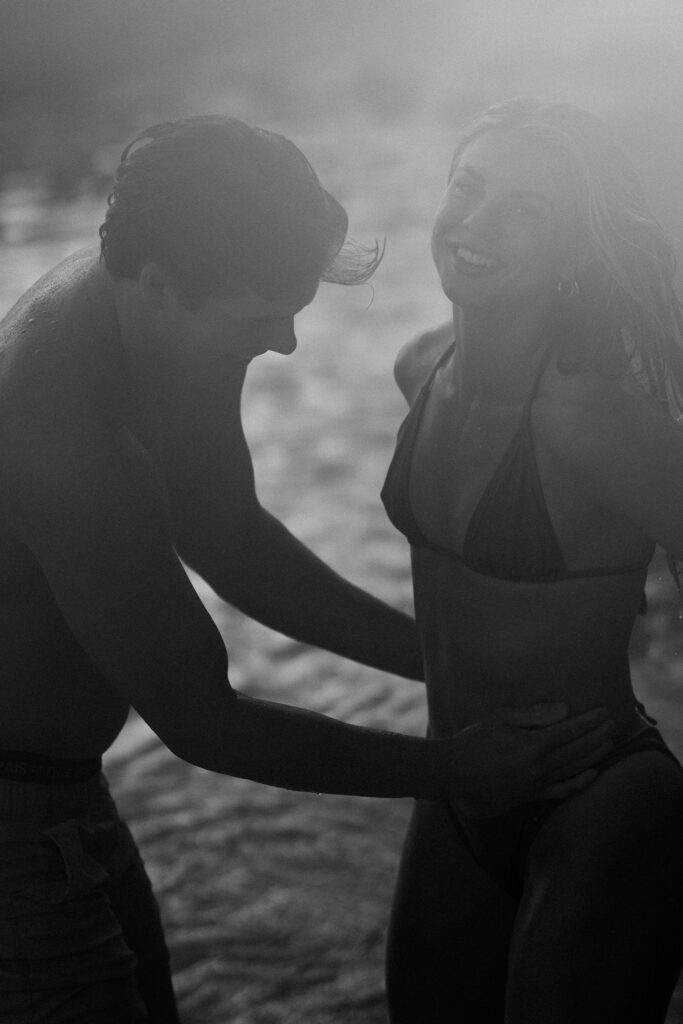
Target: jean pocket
x: 71, y: 871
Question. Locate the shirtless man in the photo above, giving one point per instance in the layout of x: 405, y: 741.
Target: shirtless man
x: 122, y: 451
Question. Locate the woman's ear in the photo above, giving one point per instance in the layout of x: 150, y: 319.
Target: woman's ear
x: 157, y: 288
x: 579, y: 257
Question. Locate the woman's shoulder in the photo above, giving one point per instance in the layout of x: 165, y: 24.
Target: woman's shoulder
x: 417, y: 358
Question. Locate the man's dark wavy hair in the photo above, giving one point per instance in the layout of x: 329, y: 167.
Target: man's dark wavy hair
x: 223, y: 206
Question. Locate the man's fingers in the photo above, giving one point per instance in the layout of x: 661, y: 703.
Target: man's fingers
x: 590, y: 746
x: 561, y: 733
x: 578, y: 765
x: 536, y: 716
x: 561, y: 790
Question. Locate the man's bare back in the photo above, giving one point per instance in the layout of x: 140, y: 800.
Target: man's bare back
x: 56, y: 349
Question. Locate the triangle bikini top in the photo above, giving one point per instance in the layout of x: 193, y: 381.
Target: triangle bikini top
x: 510, y: 535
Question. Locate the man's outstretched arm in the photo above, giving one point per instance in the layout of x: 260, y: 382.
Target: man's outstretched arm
x: 262, y: 569
x: 250, y: 558
x: 93, y: 515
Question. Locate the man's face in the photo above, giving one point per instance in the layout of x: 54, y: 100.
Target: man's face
x: 240, y: 327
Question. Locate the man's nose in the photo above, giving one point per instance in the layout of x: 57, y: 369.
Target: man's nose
x: 281, y: 337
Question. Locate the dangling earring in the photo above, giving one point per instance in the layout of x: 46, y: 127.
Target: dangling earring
x: 567, y: 289
x: 569, y: 326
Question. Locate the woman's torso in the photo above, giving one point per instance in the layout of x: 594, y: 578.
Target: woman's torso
x: 523, y: 590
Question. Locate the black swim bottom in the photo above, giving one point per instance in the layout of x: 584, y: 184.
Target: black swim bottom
x: 500, y: 845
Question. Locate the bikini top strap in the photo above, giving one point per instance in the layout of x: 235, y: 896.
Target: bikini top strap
x: 441, y: 361
x: 540, y: 370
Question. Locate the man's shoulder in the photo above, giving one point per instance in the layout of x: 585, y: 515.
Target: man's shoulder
x: 63, y: 319
x: 55, y: 373
x: 59, y: 290
x: 416, y: 359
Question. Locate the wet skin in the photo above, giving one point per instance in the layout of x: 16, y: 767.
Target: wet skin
x: 596, y: 935
x: 503, y: 236
x: 123, y: 452
x: 491, y: 643
x: 53, y: 700
x: 69, y: 384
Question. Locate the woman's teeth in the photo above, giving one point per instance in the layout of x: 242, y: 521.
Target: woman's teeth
x: 475, y: 259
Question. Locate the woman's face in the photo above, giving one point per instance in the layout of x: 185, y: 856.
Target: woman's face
x: 504, y: 231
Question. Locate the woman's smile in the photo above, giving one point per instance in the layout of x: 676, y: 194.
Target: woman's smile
x: 504, y: 227
x: 469, y: 259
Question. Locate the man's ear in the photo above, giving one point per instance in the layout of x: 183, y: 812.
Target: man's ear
x: 157, y: 288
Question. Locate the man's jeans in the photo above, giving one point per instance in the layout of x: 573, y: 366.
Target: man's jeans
x: 80, y: 937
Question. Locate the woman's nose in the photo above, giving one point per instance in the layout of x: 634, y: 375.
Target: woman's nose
x: 482, y: 220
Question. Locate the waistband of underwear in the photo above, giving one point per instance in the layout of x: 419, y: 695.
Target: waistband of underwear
x: 24, y: 766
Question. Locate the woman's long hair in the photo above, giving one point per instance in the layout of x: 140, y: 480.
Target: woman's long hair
x: 630, y: 316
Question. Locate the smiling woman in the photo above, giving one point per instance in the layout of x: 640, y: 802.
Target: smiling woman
x: 504, y: 227
x: 536, y: 470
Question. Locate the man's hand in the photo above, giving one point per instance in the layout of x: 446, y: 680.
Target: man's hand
x: 522, y: 754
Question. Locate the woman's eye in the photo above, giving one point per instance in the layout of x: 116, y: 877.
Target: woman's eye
x: 526, y: 210
x: 462, y: 187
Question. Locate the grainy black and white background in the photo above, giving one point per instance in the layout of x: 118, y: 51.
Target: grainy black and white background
x: 275, y: 903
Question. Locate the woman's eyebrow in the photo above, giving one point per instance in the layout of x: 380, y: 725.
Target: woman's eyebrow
x: 519, y: 193
x: 524, y: 193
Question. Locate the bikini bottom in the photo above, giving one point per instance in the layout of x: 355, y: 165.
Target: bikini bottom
x: 501, y: 845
